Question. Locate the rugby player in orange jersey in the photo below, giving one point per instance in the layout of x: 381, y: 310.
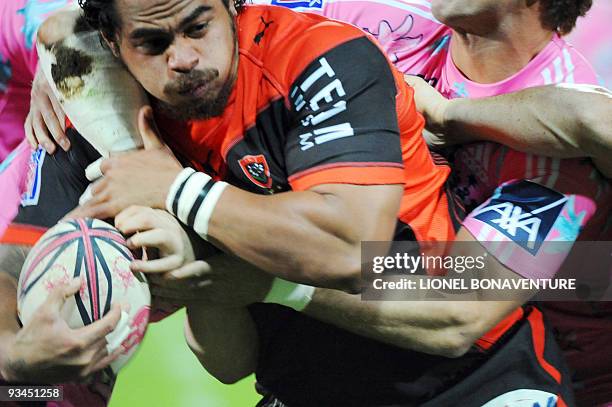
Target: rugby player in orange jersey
x: 253, y: 169
x: 296, y: 169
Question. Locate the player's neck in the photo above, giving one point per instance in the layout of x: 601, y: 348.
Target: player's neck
x: 499, y: 54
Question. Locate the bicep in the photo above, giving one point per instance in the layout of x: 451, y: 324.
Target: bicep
x: 370, y: 211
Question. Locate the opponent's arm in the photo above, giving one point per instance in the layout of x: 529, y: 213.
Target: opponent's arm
x: 445, y: 328
x: 559, y: 120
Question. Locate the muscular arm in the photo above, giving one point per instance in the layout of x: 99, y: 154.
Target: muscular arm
x: 446, y: 328
x: 313, y: 237
x: 559, y: 120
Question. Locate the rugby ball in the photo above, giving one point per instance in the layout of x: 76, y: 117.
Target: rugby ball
x: 96, y: 252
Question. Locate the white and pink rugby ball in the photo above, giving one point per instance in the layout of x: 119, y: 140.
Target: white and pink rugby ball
x: 96, y: 251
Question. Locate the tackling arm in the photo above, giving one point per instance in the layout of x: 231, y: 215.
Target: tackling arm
x: 559, y: 120
x: 446, y: 328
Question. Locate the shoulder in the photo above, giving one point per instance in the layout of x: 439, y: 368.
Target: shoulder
x: 284, y: 42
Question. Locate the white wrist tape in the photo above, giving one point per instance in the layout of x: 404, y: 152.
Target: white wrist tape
x: 289, y: 294
x: 192, y: 199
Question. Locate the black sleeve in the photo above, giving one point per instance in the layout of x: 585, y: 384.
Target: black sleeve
x: 343, y: 111
x: 56, y: 182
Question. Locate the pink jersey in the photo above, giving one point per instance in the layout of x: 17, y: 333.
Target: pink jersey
x: 19, y: 21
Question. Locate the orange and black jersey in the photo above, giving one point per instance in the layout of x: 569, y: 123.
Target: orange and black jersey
x: 317, y: 102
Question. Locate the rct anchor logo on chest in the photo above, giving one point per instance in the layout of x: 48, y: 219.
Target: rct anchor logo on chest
x: 256, y: 168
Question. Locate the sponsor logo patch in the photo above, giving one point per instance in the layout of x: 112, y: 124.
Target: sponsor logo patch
x: 305, y: 4
x: 255, y: 167
x: 33, y: 180
x: 523, y: 211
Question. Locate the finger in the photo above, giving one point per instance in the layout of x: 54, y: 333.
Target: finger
x: 93, y: 170
x: 148, y: 129
x: 119, y: 334
x: 58, y: 296
x: 99, y: 329
x: 29, y: 132
x: 162, y: 265
x: 94, y: 209
x: 59, y: 113
x: 98, y: 356
x: 194, y: 269
x: 91, y: 209
x: 105, y: 362
x: 42, y: 134
x: 157, y: 238
x: 86, y: 196
x: 52, y: 122
x: 135, y: 219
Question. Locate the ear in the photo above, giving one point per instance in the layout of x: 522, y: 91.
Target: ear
x: 112, y: 45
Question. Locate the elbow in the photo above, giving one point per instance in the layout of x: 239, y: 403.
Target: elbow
x: 454, y: 346
x: 227, y: 378
x: 227, y: 375
x: 466, y: 326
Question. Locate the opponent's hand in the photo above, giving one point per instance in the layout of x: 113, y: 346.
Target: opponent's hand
x: 45, y: 123
x: 47, y: 350
x: 136, y: 178
x: 432, y: 105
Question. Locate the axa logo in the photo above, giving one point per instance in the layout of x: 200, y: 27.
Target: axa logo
x: 256, y: 168
x: 524, y: 211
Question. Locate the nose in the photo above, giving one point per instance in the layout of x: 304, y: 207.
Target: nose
x: 182, y: 58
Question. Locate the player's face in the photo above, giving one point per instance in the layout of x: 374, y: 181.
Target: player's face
x: 462, y: 13
x: 183, y: 52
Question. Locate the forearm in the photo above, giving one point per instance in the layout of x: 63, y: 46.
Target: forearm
x: 307, y: 237
x: 530, y: 120
x: 558, y: 121
x: 282, y: 232
x: 435, y: 327
x: 224, y: 340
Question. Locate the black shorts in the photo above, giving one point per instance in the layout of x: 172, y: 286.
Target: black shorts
x: 315, y: 366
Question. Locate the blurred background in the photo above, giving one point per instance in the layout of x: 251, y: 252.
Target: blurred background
x: 165, y: 373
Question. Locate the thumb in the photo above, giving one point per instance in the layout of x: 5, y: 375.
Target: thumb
x: 148, y: 129
x: 59, y: 295
x: 412, y: 80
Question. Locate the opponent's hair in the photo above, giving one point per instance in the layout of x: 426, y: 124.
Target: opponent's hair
x: 561, y: 15
x: 102, y: 15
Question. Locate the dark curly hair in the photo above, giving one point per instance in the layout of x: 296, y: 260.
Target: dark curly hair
x: 561, y: 15
x: 102, y: 15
